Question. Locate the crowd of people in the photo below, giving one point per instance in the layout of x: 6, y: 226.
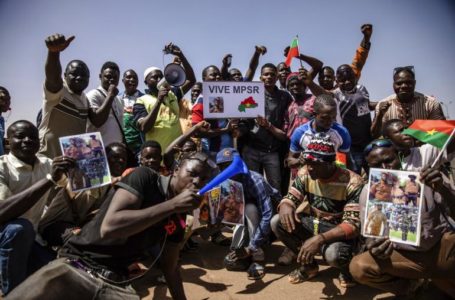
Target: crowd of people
x: 161, y: 151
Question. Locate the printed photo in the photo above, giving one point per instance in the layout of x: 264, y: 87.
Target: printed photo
x: 92, y: 168
x: 394, y: 206
x: 216, y: 104
x: 227, y: 203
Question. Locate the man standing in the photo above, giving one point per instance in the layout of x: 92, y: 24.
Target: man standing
x: 406, y: 104
x: 65, y: 106
x: 264, y: 136
x: 25, y: 179
x: 157, y: 113
x: 5, y: 102
x: 329, y: 222
x: 112, y: 130
x: 144, y: 212
x: 129, y: 96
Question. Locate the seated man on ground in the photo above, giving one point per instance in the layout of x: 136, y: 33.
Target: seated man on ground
x: 143, y: 212
x: 69, y: 211
x: 25, y: 179
x: 259, y: 196
x: 328, y: 221
x: 399, y: 268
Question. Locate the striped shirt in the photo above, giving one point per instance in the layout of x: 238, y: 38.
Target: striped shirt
x: 423, y: 107
x: 64, y: 113
x: 336, y: 199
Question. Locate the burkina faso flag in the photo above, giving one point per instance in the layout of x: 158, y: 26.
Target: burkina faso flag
x: 293, y: 51
x: 433, y: 132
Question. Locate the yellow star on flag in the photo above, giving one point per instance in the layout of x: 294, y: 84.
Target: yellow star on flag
x: 431, y: 132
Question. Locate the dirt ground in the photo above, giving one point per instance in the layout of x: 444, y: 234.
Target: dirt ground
x: 205, y: 278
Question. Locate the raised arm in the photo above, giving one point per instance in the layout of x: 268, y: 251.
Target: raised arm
x: 226, y: 64
x: 190, y: 77
x: 254, y: 62
x: 315, y: 64
x: 376, y: 126
x: 55, y: 44
x: 308, y: 80
x: 169, y: 153
x: 362, y: 51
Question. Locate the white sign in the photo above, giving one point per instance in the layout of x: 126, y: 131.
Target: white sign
x: 228, y: 99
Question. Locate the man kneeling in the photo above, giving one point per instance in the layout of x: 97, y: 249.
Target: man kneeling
x: 329, y: 222
x: 141, y: 214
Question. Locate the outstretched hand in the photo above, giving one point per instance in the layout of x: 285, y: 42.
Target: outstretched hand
x: 57, y: 42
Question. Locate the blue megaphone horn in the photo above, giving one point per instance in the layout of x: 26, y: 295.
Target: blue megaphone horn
x: 237, y: 166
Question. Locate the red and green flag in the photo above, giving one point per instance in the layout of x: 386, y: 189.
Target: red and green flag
x: 293, y: 51
x: 341, y: 160
x: 433, y: 132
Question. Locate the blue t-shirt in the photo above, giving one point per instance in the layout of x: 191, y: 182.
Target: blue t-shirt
x: 2, y: 134
x: 338, y: 134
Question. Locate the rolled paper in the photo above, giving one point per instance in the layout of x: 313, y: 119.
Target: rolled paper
x: 237, y: 166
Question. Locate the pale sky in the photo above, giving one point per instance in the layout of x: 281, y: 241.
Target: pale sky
x: 133, y: 33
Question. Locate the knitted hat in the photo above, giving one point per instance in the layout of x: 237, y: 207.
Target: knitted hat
x: 320, y: 149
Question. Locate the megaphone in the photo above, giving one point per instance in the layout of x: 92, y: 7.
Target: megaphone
x: 237, y: 166
x: 174, y: 75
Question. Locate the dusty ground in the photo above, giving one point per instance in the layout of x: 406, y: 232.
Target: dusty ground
x: 205, y: 278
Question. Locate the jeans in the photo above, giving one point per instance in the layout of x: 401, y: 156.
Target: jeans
x: 336, y: 254
x: 59, y: 280
x: 16, y: 241
x: 358, y: 162
x: 268, y: 161
x: 252, y: 220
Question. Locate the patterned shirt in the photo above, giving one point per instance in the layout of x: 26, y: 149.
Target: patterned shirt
x: 298, y: 113
x: 423, y: 107
x: 263, y: 195
x: 335, y: 200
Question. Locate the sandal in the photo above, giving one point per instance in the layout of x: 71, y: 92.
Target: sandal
x: 302, y: 274
x: 255, y: 272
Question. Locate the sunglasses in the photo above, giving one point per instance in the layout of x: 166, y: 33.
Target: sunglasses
x: 406, y: 68
x: 381, y: 143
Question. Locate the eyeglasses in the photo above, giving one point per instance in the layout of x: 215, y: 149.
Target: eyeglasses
x: 381, y: 143
x: 202, y: 158
x: 406, y: 68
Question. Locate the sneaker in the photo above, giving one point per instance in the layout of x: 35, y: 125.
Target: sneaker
x: 346, y: 280
x: 287, y: 257
x: 259, y: 255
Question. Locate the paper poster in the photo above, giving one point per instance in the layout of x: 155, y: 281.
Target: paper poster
x: 228, y: 99
x: 393, y: 206
x: 203, y: 215
x: 92, y: 169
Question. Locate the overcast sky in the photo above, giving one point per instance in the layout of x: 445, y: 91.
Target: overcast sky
x: 133, y: 33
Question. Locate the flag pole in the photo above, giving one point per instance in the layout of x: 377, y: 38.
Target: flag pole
x: 298, y: 50
x: 443, y: 148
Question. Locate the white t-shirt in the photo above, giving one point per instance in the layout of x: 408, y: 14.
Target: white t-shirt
x: 110, y: 130
x: 16, y: 176
x: 423, y: 156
